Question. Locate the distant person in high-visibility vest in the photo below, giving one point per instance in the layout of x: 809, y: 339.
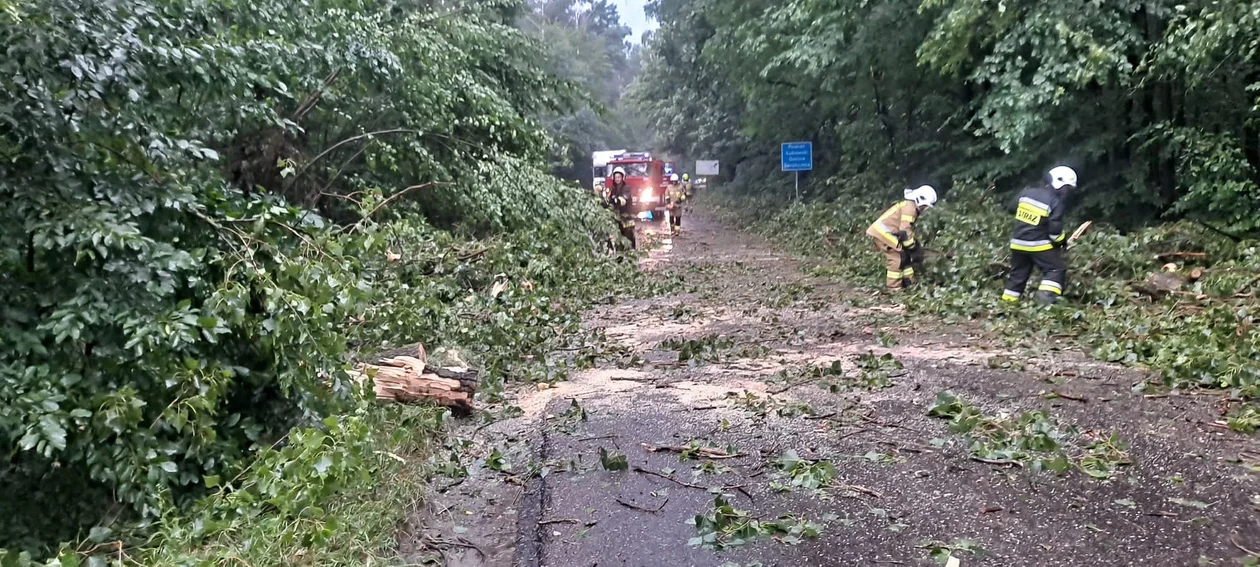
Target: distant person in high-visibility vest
x: 894, y: 236
x: 1037, y: 238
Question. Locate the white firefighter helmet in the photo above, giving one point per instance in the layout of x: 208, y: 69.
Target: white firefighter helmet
x: 673, y: 177
x: 1062, y: 176
x: 620, y: 170
x: 924, y: 196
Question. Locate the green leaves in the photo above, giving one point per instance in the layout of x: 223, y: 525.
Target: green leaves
x: 613, y: 462
x: 726, y: 526
x: 804, y: 474
x: 212, y: 210
x: 1031, y: 439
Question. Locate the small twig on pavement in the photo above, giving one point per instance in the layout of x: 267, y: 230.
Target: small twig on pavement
x: 634, y: 506
x: 613, y: 436
x: 999, y: 462
x: 706, y: 452
x: 1233, y: 535
x: 859, y: 431
x: 1071, y: 397
x: 823, y: 416
x: 432, y: 540
x: 863, y: 490
x: 669, y: 478
x: 558, y: 521
x: 890, y: 561
x: 789, y: 387
x: 905, y: 446
x: 1163, y: 514
x: 869, y: 419
x: 740, y: 488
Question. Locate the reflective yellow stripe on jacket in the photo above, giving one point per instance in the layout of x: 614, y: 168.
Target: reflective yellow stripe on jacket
x: 880, y: 230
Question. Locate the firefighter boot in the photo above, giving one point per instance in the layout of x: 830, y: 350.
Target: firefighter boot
x: 1046, y: 298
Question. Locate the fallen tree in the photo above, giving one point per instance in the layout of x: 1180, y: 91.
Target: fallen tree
x: 404, y: 376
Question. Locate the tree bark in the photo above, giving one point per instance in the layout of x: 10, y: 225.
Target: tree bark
x: 404, y: 376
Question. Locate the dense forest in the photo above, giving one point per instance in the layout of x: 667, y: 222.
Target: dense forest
x: 588, y: 45
x: 213, y: 208
x: 1154, y: 103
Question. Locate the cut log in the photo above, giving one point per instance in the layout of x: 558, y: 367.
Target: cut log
x: 403, y: 376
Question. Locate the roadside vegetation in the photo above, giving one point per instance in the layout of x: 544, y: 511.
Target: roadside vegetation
x: 1154, y: 104
x: 212, y: 210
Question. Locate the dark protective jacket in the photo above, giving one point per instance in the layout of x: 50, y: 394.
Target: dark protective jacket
x: 622, y: 200
x: 1038, y: 224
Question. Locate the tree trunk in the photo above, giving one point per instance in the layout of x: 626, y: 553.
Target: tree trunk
x: 403, y: 376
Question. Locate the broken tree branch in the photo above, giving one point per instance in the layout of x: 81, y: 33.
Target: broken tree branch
x: 634, y: 506
x: 706, y: 452
x: 998, y: 462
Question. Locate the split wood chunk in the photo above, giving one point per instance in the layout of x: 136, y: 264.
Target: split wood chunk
x: 403, y: 376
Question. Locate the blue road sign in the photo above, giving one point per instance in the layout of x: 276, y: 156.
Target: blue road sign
x: 797, y: 156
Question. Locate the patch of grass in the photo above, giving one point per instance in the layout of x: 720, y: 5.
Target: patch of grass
x: 1031, y: 439
x: 355, y: 526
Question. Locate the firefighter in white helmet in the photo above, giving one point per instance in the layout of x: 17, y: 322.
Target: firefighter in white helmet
x: 894, y: 236
x: 675, y: 196
x: 622, y: 201
x: 1037, y: 238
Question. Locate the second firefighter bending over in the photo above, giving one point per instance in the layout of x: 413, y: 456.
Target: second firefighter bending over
x: 894, y: 236
x: 675, y: 196
x: 1037, y: 238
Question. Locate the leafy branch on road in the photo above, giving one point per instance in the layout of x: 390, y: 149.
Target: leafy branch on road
x: 712, y: 349
x: 1031, y: 439
x: 726, y: 526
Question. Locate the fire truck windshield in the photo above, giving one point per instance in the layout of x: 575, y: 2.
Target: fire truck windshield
x: 635, y: 169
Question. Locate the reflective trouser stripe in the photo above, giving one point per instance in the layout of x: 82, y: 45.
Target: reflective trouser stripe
x: 1009, y: 295
x: 1053, y: 287
x: 895, y: 275
x: 1031, y: 245
x: 907, y: 273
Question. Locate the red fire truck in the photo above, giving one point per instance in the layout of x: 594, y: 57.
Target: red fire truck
x: 647, y: 180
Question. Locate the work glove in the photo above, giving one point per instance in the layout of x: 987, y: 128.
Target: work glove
x: 916, y: 255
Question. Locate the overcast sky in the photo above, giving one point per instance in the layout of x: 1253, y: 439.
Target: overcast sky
x: 632, y: 14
